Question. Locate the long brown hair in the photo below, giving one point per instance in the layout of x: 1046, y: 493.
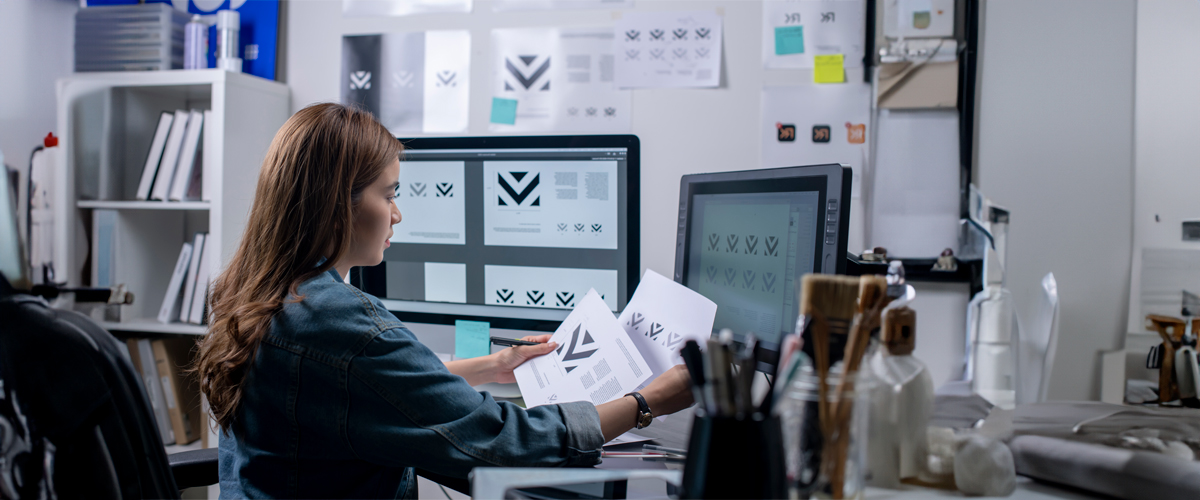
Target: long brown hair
x: 312, y: 177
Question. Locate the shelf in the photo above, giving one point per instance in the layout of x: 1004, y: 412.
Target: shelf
x: 144, y: 205
x: 192, y: 446
x: 153, y: 326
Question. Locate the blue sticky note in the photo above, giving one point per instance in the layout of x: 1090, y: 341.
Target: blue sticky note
x: 472, y: 338
x: 789, y: 40
x: 504, y: 111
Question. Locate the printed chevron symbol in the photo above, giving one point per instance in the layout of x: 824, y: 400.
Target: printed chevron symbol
x: 732, y: 241
x: 730, y: 274
x: 636, y: 319
x: 595, y: 228
x: 571, y: 354
x: 360, y: 80
x: 562, y: 227
x: 418, y: 188
x: 632, y: 35
x: 446, y: 78
x: 748, y: 279
x: 769, y: 282
x: 751, y: 245
x: 535, y: 297
x: 525, y: 78
x: 505, y: 296
x: 402, y: 79
x: 712, y: 273
x: 510, y: 182
x: 674, y: 339
x: 771, y: 243
x: 444, y: 190
x: 680, y: 53
x: 702, y: 33
x: 565, y: 299
x: 680, y: 34
x: 656, y: 53
x: 713, y: 241
x: 579, y: 227
x: 655, y: 329
x: 656, y: 34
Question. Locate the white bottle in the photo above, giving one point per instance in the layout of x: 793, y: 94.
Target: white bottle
x: 901, y: 404
x: 228, y: 29
x: 992, y: 335
x: 195, y: 44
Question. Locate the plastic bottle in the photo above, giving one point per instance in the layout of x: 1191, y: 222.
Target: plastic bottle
x: 228, y: 29
x: 901, y: 403
x: 992, y: 335
x: 195, y: 44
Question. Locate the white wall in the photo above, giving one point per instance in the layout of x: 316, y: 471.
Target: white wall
x: 1056, y: 148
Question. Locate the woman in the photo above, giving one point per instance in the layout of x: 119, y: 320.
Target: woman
x: 319, y: 391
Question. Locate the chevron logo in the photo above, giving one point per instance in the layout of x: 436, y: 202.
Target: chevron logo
x: 702, y: 33
x: 610, y: 111
x: 632, y: 35
x: 402, y: 79
x: 751, y: 245
x: 636, y: 319
x: 771, y: 243
x: 674, y: 339
x: 712, y: 273
x: 595, y: 228
x: 732, y: 241
x: 748, y: 279
x: 505, y: 296
x: 730, y: 274
x: 360, y: 80
x: 418, y: 189
x: 518, y: 188
x: 590, y: 111
x: 632, y: 54
x: 572, y: 354
x: 565, y: 299
x: 680, y: 34
x: 655, y: 329
x: 702, y: 53
x: 579, y: 228
x: 769, y: 282
x: 527, y: 72
x: 713, y: 241
x: 535, y: 297
x: 562, y: 227
x: 656, y: 54
x: 680, y: 53
x: 572, y: 111
x: 446, y: 78
x: 657, y: 34
x: 445, y: 190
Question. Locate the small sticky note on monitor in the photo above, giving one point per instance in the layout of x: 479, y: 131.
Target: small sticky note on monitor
x: 829, y: 69
x: 471, y: 339
x: 789, y: 40
x: 504, y: 111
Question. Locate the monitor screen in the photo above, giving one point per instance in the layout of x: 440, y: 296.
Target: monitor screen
x: 511, y: 230
x: 746, y: 238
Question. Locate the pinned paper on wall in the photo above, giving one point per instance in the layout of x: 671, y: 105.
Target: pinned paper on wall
x: 824, y: 26
x: 668, y: 49
x: 413, y: 82
x: 811, y: 124
x: 563, y: 79
x: 517, y: 5
x: 472, y: 339
x: 374, y: 8
x: 829, y: 69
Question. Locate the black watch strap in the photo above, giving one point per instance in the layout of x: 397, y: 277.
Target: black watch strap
x: 645, y: 416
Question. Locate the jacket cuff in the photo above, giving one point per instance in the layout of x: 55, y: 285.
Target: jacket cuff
x: 584, y: 439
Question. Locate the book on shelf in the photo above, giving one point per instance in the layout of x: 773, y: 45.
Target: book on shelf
x: 186, y: 166
x: 170, y: 157
x: 181, y: 392
x: 203, y: 278
x: 153, y: 157
x: 203, y: 190
x: 104, y: 250
x: 171, y: 301
x: 189, y: 286
x: 142, y: 355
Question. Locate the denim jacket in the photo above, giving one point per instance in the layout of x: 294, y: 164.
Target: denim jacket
x: 341, y: 400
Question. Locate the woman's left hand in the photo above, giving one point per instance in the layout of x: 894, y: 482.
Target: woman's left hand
x: 509, y: 359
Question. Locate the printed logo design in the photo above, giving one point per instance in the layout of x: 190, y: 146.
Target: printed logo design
x: 655, y: 329
x: 402, y: 79
x: 446, y: 79
x: 856, y: 133
x: 517, y: 189
x: 590, y: 111
x: 632, y: 35
x: 680, y: 34
x: 657, y: 34
x: 610, y: 111
x: 572, y: 111
x: 827, y: 17
x: 732, y: 241
x: 793, y: 18
x: 769, y: 282
x: 505, y: 296
x: 771, y: 243
x: 751, y: 245
x: 702, y: 53
x: 579, y: 228
x: 702, y: 33
x: 553, y: 397
x: 535, y: 297
x: 527, y: 73
x: 674, y: 339
x: 680, y: 53
x: 820, y: 133
x: 656, y: 53
x: 713, y: 240
x: 632, y: 54
x: 444, y: 190
x: 785, y: 132
x: 562, y: 227
x: 712, y: 273
x: 730, y: 274
x: 565, y: 299
x: 360, y: 80
x: 595, y: 228
x: 572, y: 354
x: 636, y: 319
x: 748, y: 279
x: 418, y: 189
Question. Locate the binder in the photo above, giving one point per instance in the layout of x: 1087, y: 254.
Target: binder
x: 203, y: 278
x: 181, y: 392
x: 170, y: 157
x: 170, y: 304
x: 189, y: 286
x: 150, y: 171
x: 141, y: 351
x: 187, y: 157
x: 104, y: 247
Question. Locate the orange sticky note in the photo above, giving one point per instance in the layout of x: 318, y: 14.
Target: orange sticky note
x: 829, y: 69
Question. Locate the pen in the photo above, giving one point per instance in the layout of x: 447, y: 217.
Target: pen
x: 693, y: 359
x: 511, y: 342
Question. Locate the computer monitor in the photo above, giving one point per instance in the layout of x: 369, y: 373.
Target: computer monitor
x: 745, y: 238
x: 511, y: 230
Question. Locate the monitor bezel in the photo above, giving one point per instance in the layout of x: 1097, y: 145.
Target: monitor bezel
x: 369, y: 278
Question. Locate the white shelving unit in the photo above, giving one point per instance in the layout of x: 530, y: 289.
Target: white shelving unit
x: 106, y: 122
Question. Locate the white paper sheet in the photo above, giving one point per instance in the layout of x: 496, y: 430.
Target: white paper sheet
x: 374, y: 8
x: 668, y: 49
x: 560, y: 204
x: 517, y: 5
x: 431, y: 203
x: 595, y: 362
x: 829, y: 27
x: 661, y: 316
x: 416, y: 82
x: 844, y: 109
x: 628, y: 438
x: 551, y: 287
x: 561, y: 78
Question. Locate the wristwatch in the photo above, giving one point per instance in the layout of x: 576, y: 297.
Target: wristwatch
x: 644, y: 416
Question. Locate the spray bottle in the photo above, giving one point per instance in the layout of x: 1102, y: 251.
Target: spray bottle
x: 992, y: 337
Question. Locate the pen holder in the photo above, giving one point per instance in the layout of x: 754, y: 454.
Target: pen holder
x: 731, y: 457
x: 826, y: 456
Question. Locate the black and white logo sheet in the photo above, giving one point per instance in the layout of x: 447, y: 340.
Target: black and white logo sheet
x: 548, y: 287
x: 828, y: 27
x: 376, y: 8
x: 431, y: 205
x: 661, y: 316
x: 414, y: 82
x: 595, y: 361
x: 668, y: 49
x: 561, y: 204
x: 561, y: 78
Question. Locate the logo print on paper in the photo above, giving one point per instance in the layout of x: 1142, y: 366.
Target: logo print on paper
x: 535, y: 297
x: 748, y: 279
x: 446, y: 79
x: 595, y: 228
x: 572, y: 354
x: 702, y: 53
x: 562, y: 227
x: 402, y: 79
x: 360, y: 80
x: 856, y: 133
x: 730, y: 274
x: 674, y: 339
x: 418, y: 189
x: 785, y: 133
x: 572, y: 111
x: 712, y: 273
x: 772, y: 243
x: 632, y: 35
x: 579, y: 228
x: 820, y: 133
x: 713, y: 240
x: 610, y: 112
x: 656, y: 53
x: 752, y: 245
x: 527, y: 73
x: 565, y: 299
x: 680, y: 53
x: 636, y: 319
x: 590, y: 111
x: 680, y: 34
x: 517, y: 189
x: 702, y: 33
x: 827, y: 17
x: 445, y: 190
x: 655, y: 329
x: 632, y: 54
x: 732, y: 241
x: 793, y: 18
x: 505, y: 296
x: 656, y: 34
x: 769, y: 282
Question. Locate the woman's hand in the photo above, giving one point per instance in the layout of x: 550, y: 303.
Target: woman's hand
x: 669, y: 393
x: 509, y: 359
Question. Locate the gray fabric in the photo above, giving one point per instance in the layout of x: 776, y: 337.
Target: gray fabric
x: 1134, y: 475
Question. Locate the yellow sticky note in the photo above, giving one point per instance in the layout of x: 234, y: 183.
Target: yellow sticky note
x: 829, y: 69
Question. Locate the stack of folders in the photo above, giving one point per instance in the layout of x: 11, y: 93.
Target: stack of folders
x: 174, y: 393
x: 188, y: 287
x: 129, y: 37
x: 172, y: 172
